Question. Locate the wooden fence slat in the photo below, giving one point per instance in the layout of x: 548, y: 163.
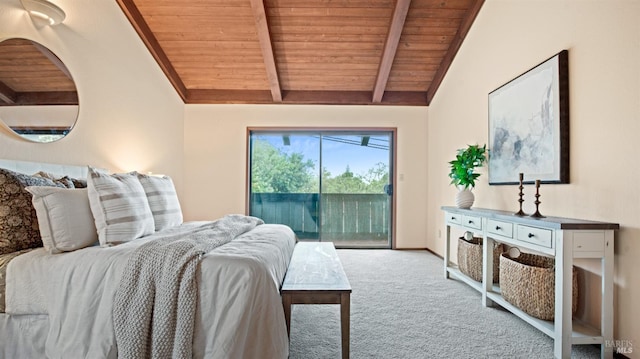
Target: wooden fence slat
x: 344, y: 216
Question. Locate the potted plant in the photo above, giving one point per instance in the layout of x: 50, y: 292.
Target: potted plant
x: 463, y: 174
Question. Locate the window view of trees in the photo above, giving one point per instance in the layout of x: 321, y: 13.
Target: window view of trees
x: 371, y: 182
x: 275, y: 171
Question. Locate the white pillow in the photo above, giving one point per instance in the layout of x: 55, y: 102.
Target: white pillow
x: 119, y: 205
x: 163, y: 200
x: 64, y: 218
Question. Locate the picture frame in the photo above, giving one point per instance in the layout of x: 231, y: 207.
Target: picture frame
x: 529, y: 125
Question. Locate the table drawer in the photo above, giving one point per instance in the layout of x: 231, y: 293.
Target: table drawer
x: 472, y: 222
x: 504, y: 229
x: 588, y: 242
x: 539, y: 236
x: 453, y: 218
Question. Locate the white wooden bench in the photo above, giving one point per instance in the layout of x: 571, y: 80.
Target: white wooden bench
x: 315, y: 276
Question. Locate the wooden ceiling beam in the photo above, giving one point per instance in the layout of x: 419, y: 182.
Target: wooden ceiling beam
x: 390, y: 47
x: 7, y: 95
x: 47, y: 98
x: 204, y: 96
x: 465, y: 25
x: 142, y: 28
x: 266, y: 46
x: 404, y: 98
x: 326, y: 97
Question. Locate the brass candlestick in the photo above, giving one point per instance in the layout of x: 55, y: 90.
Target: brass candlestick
x: 521, y: 194
x: 537, y: 201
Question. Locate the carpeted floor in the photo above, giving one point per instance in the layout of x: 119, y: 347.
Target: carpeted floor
x: 402, y: 307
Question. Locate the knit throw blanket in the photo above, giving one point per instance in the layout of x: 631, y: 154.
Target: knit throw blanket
x: 155, y: 303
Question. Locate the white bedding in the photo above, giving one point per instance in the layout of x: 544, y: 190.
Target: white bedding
x: 239, y: 311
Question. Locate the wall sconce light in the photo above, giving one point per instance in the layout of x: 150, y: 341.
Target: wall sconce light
x: 44, y: 10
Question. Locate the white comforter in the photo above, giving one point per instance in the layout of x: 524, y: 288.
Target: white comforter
x: 239, y: 311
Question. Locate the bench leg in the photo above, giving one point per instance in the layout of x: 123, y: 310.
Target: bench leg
x: 286, y: 304
x: 345, y: 310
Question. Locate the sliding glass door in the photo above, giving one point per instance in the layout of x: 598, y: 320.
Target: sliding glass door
x: 284, y: 181
x: 326, y: 185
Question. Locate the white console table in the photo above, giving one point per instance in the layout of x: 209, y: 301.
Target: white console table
x: 561, y: 238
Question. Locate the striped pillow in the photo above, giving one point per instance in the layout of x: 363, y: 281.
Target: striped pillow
x: 163, y: 200
x: 119, y: 206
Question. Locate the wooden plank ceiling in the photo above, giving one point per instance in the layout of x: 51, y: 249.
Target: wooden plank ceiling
x: 30, y: 74
x: 303, y: 51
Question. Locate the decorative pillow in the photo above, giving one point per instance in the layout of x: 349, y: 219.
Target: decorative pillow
x: 65, y: 181
x: 18, y: 219
x: 163, y: 200
x: 44, y: 174
x: 78, y: 182
x: 119, y: 206
x: 64, y: 218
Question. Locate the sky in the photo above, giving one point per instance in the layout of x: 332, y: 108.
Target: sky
x: 336, y: 154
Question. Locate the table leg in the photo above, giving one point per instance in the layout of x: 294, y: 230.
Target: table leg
x: 563, y: 324
x: 607, y: 313
x: 447, y: 251
x: 345, y: 310
x: 286, y: 304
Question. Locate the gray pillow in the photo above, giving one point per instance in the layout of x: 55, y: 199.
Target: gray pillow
x: 18, y: 220
x: 65, y: 218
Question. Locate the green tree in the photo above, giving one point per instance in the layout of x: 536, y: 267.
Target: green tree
x: 347, y: 182
x: 376, y: 178
x: 274, y: 171
x: 371, y: 182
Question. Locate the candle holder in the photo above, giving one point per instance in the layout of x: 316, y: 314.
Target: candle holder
x: 537, y: 201
x: 521, y: 194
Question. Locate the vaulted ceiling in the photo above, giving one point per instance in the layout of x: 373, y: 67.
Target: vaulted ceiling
x: 303, y: 51
x: 30, y: 74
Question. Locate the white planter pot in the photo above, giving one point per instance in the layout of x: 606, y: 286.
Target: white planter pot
x: 464, y: 198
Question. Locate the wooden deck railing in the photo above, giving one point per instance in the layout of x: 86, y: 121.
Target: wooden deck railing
x: 343, y: 216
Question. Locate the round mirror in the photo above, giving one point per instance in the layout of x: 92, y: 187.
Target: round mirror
x: 38, y: 98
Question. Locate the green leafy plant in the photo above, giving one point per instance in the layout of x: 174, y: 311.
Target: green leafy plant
x: 467, y: 160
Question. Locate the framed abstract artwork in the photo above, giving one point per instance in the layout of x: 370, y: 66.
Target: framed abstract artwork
x: 529, y: 125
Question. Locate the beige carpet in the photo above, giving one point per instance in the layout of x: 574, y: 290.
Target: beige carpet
x: 402, y: 307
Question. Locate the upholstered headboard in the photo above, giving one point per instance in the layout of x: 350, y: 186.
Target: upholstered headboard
x: 34, y: 167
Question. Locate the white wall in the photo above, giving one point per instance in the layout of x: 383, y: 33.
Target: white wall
x: 130, y: 118
x: 216, y: 155
x: 603, y: 39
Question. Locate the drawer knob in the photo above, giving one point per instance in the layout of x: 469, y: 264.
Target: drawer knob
x: 452, y: 218
x: 470, y: 222
x: 531, y: 235
x: 498, y: 228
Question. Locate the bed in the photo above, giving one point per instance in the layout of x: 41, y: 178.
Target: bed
x: 62, y: 304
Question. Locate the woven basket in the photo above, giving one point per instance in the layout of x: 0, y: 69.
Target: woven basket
x: 470, y: 258
x: 528, y: 282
